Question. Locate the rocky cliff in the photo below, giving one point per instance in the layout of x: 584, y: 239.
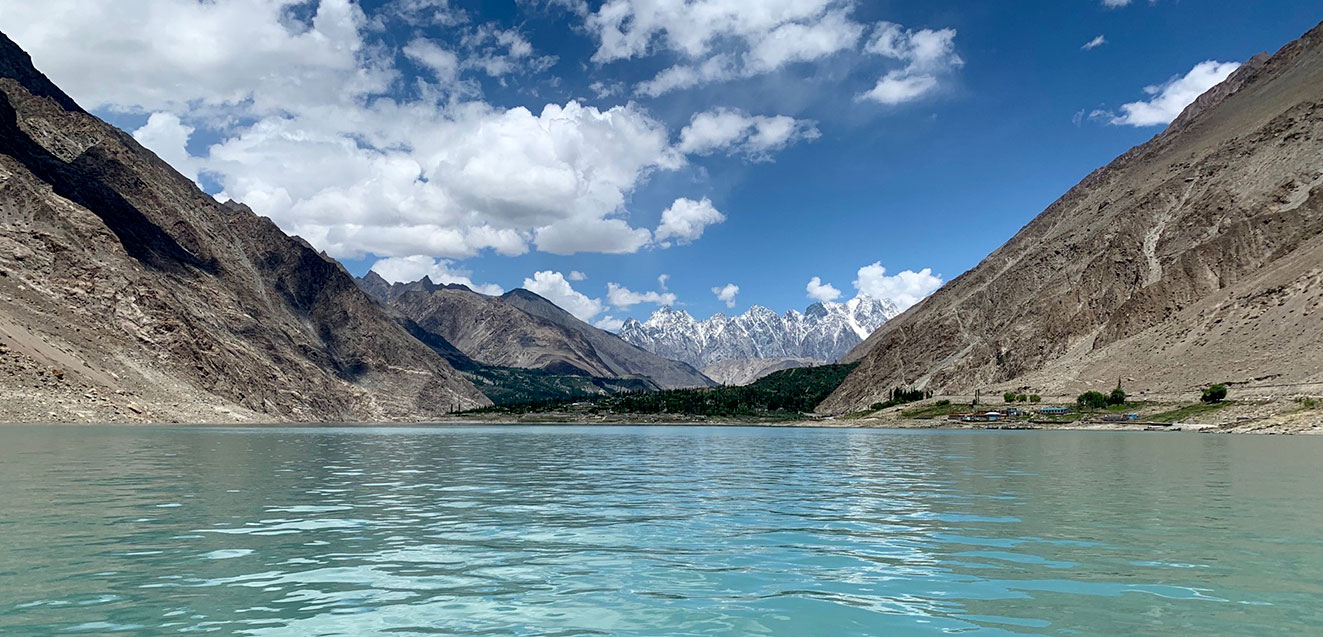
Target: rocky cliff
x: 824, y: 332
x: 523, y: 330
x: 1194, y: 258
x: 129, y: 294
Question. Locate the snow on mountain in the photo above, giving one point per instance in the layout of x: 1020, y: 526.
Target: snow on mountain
x: 823, y: 332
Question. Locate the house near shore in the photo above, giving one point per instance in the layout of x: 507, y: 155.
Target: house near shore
x: 1054, y: 411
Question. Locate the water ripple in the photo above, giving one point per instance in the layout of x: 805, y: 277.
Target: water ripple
x: 654, y: 531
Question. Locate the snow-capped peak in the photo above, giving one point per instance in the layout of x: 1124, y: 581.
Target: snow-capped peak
x: 825, y: 331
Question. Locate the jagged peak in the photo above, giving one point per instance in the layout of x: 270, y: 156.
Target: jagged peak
x: 817, y: 310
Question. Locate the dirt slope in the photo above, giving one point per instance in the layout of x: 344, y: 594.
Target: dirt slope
x: 126, y: 293
x: 1193, y: 258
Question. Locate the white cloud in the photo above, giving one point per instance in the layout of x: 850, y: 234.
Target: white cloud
x: 443, y: 64
x: 500, y: 52
x: 590, y: 234
x: 734, y: 131
x: 686, y: 220
x: 170, y: 55
x: 819, y: 291
x: 440, y: 271
x: 928, y: 56
x: 663, y: 279
x: 576, y: 275
x: 420, y: 13
x: 903, y: 288
x: 717, y: 68
x: 165, y: 135
x: 1094, y: 43
x: 634, y: 28
x: 804, y: 41
x: 1168, y: 99
x: 624, y: 298
x: 897, y: 88
x: 553, y: 287
x: 604, y: 90
x: 310, y: 137
x: 726, y: 294
x: 721, y: 40
x: 609, y: 323
x: 476, y: 178
x: 1113, y: 4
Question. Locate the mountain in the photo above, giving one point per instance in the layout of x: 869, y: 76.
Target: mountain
x: 1194, y: 258
x: 130, y: 294
x: 523, y: 330
x: 824, y: 332
x: 743, y: 372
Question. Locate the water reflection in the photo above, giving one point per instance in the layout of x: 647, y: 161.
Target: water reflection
x: 562, y: 530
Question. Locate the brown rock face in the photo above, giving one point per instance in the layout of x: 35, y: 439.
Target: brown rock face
x: 523, y: 330
x: 161, y: 304
x: 1194, y: 258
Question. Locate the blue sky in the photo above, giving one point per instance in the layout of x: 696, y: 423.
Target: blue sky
x: 385, y: 130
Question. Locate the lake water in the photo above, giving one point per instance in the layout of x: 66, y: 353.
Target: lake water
x: 656, y: 530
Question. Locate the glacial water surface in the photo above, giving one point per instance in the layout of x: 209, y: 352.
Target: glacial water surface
x: 657, y: 531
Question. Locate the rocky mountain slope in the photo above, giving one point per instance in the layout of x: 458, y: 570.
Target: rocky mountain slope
x: 523, y: 330
x: 743, y: 372
x: 824, y: 332
x: 129, y: 294
x: 1194, y: 258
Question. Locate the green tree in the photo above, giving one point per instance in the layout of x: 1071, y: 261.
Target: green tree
x: 1214, y: 394
x: 1020, y: 398
x: 1035, y: 398
x: 1117, y: 397
x: 1008, y: 397
x: 1091, y: 400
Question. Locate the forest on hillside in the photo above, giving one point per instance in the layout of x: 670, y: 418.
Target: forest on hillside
x: 788, y: 392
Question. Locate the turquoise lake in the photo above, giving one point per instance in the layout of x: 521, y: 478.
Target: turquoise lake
x: 656, y: 531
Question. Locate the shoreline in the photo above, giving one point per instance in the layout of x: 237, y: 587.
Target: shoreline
x: 870, y: 423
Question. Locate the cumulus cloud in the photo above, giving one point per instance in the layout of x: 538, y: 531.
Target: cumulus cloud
x: 928, y: 55
x: 167, y: 136
x: 903, y: 288
x: 726, y: 294
x: 590, y: 234
x: 440, y: 271
x: 1094, y: 43
x: 686, y: 220
x: 553, y: 287
x: 1113, y: 4
x: 819, y: 291
x: 609, y: 323
x: 576, y: 275
x: 767, y: 34
x: 721, y: 40
x: 734, y: 131
x: 316, y: 133
x: 1168, y: 99
x: 624, y: 298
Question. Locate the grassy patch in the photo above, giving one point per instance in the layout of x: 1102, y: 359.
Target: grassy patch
x: 1189, y: 411
x: 1127, y: 407
x: 928, y: 412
